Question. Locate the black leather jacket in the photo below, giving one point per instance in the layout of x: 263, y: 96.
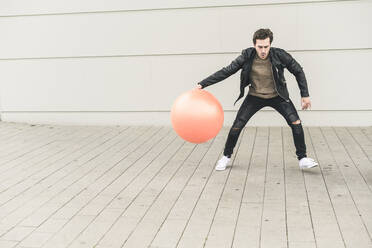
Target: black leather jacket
x: 279, y: 58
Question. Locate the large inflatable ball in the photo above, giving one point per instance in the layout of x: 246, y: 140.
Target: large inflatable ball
x: 197, y: 116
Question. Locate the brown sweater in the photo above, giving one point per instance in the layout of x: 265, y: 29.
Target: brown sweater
x: 262, y: 82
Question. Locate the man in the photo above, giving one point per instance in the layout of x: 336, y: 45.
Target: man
x: 263, y: 71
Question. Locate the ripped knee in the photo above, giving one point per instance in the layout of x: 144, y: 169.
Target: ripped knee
x: 296, y: 127
x: 236, y: 129
x: 237, y: 126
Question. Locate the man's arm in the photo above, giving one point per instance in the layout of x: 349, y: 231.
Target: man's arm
x: 295, y: 68
x: 224, y: 73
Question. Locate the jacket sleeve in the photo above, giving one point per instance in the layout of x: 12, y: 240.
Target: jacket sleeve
x: 295, y: 68
x: 224, y: 73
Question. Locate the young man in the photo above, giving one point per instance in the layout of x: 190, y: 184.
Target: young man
x: 263, y: 71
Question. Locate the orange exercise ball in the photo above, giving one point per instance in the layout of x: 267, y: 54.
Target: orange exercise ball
x: 197, y: 116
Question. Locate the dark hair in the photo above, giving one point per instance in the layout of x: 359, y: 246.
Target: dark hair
x: 262, y: 34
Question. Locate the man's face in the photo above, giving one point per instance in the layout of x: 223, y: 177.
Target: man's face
x: 262, y: 47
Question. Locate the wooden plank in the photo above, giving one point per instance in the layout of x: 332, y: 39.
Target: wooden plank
x: 12, y: 131
x: 19, y: 167
x: 76, y: 200
x: 368, y: 132
x: 273, y: 223
x: 136, y: 202
x: 346, y: 212
x: 62, y: 146
x: 347, y: 158
x: 97, y: 197
x: 24, y: 149
x: 325, y: 223
x: 8, y: 130
x: 248, y: 227
x: 224, y: 223
x: 146, y: 230
x: 299, y: 222
x: 10, y: 145
x: 21, y: 192
x: 64, y: 190
x: 177, y: 218
x: 110, y: 187
x: 112, y: 202
x: 29, y: 134
x: 199, y: 224
x: 23, y: 158
x: 359, y: 148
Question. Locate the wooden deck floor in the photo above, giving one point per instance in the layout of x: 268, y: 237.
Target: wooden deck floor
x: 134, y: 186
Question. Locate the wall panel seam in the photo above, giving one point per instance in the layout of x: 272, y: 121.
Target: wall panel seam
x: 179, y: 8
x: 176, y: 54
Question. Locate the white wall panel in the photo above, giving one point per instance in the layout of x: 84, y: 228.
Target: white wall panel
x: 210, y: 30
x: 336, y: 82
x: 118, y: 66
x: 335, y: 26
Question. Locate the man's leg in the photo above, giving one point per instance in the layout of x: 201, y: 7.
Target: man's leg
x: 298, y: 138
x: 248, y: 108
x: 289, y: 112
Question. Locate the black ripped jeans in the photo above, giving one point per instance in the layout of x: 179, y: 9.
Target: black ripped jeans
x: 251, y: 105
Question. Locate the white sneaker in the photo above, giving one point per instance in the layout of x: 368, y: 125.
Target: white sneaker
x: 221, y: 164
x: 307, y: 163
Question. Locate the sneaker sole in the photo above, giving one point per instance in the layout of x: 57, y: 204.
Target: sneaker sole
x: 308, y: 167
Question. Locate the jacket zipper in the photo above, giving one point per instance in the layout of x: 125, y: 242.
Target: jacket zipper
x: 272, y: 74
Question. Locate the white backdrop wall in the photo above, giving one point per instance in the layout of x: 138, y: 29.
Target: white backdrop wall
x: 125, y: 62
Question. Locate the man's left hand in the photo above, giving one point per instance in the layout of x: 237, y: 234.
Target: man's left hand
x: 305, y: 103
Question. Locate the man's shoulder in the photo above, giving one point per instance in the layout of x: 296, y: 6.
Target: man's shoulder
x: 247, y: 52
x: 278, y: 50
x: 280, y: 54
